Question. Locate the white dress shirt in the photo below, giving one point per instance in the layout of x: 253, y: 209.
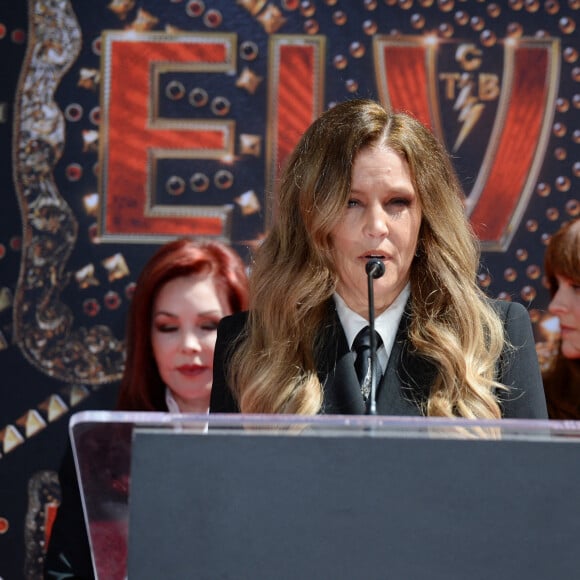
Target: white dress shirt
x: 170, y: 401
x: 172, y: 404
x: 173, y: 407
x: 386, y: 324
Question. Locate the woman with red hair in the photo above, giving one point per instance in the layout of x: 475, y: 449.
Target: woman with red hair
x: 181, y: 295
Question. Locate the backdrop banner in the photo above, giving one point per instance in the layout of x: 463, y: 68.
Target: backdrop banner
x: 126, y: 123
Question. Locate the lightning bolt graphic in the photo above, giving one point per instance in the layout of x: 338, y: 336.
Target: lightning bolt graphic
x: 470, y: 111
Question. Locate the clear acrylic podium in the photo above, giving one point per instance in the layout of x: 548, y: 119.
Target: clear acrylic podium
x: 328, y: 497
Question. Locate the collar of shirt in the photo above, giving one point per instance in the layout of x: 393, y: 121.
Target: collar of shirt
x: 386, y: 324
x: 172, y: 405
x: 170, y: 401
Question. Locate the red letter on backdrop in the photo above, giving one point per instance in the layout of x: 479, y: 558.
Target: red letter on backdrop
x: 135, y: 137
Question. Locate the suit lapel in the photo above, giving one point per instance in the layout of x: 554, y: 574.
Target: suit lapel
x: 342, y: 393
x: 404, y: 388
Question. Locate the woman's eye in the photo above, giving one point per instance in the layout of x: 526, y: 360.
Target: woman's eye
x: 166, y: 328
x: 210, y: 326
x: 401, y: 201
x: 352, y: 203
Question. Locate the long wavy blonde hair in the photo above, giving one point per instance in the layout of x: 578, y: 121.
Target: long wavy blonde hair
x: 273, y: 367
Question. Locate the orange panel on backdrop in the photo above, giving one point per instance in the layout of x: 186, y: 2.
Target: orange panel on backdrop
x: 517, y: 146
x: 133, y: 131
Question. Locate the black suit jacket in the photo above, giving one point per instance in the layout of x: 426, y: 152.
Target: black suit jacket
x: 406, y: 382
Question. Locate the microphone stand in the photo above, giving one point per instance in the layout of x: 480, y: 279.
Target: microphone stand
x: 374, y: 269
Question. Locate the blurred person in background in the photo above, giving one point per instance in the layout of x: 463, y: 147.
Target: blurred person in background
x: 561, y: 372
x: 182, y: 293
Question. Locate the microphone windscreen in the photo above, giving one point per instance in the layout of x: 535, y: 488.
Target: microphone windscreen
x: 375, y: 268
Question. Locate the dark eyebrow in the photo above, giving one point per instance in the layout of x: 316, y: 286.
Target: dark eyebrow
x: 211, y: 313
x: 200, y: 314
x: 164, y: 313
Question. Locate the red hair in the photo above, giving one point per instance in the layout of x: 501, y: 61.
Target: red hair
x: 142, y: 388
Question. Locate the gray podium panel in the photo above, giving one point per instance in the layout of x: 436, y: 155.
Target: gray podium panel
x: 355, y: 503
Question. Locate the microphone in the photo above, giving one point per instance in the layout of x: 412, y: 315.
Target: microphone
x: 374, y: 269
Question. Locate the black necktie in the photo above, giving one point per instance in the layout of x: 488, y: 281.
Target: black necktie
x: 362, y: 364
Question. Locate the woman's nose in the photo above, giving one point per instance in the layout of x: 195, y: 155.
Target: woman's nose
x: 558, y: 304
x: 376, y: 221
x: 191, y: 342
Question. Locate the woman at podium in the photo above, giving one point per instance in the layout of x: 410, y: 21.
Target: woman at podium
x: 366, y: 185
